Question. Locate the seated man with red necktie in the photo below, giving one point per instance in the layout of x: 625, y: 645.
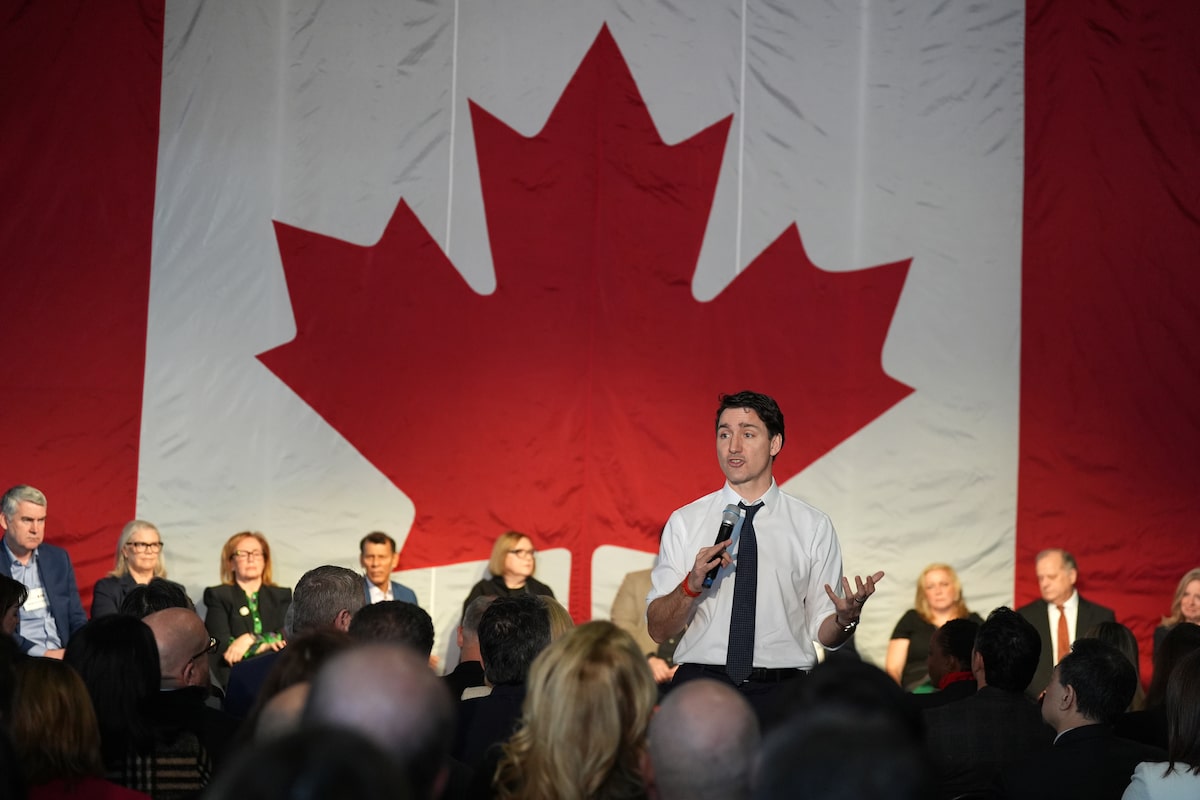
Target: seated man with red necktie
x: 752, y: 626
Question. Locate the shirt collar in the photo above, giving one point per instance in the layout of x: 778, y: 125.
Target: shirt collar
x: 769, y: 499
x: 12, y: 559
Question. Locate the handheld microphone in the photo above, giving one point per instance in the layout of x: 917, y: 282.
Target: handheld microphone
x: 729, y: 518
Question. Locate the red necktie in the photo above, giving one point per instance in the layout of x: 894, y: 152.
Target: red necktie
x: 1064, y: 638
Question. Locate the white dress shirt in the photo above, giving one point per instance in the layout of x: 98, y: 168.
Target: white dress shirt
x: 798, y: 553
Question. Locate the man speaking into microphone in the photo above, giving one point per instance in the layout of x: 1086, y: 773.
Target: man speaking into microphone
x: 774, y: 590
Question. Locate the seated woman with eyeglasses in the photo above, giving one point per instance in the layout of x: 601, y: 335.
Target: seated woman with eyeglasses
x: 139, y: 560
x: 245, y: 614
x: 511, y: 566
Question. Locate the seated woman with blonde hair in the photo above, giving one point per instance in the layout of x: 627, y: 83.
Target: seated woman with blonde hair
x: 1185, y: 608
x: 583, y: 727
x: 511, y: 567
x: 939, y: 599
x: 139, y: 560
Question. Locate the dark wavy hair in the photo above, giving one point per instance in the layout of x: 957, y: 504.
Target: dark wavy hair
x: 766, y: 408
x: 118, y: 660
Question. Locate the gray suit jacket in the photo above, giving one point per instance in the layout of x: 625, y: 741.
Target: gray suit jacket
x: 1038, y: 614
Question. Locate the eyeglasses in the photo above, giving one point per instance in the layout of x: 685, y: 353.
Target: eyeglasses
x: 523, y: 553
x: 146, y: 547
x: 248, y: 555
x: 212, y: 646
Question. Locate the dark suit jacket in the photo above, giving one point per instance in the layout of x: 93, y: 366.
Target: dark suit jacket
x: 110, y: 592
x: 399, y: 592
x: 954, y: 692
x: 1089, y: 762
x: 225, y: 622
x: 485, y: 721
x: 464, y: 676
x: 972, y: 739
x: 1038, y: 614
x: 62, y: 593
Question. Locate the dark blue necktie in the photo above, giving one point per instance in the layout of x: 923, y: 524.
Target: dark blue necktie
x: 739, y: 659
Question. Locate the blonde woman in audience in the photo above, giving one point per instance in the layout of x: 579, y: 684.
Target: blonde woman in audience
x: 1185, y: 608
x: 56, y: 736
x: 560, y: 618
x: 939, y: 599
x: 139, y: 560
x: 583, y: 728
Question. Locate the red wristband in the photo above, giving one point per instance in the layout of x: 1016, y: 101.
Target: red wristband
x: 687, y: 589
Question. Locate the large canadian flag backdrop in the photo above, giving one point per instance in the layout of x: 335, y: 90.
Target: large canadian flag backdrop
x: 446, y: 269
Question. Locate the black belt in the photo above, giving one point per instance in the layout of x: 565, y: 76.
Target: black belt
x: 758, y: 674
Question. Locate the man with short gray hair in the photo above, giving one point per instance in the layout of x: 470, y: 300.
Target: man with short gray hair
x: 324, y: 597
x: 52, y: 611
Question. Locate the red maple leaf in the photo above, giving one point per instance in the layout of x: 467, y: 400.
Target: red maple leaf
x: 575, y: 403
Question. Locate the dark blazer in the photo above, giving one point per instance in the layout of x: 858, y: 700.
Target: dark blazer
x: 959, y: 690
x: 485, y: 721
x: 110, y: 592
x: 463, y: 677
x: 971, y: 739
x: 1089, y: 762
x: 1038, y: 614
x: 225, y: 622
x: 399, y: 592
x: 494, y: 587
x: 62, y: 593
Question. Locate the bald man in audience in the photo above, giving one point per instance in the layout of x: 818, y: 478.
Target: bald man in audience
x: 183, y: 648
x: 388, y: 693
x: 702, y: 743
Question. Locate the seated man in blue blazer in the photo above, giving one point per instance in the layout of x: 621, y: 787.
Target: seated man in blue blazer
x: 52, y: 611
x: 378, y: 556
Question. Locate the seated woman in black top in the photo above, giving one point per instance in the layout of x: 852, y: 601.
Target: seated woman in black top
x: 139, y: 560
x: 512, y: 566
x: 939, y: 600
x: 245, y: 614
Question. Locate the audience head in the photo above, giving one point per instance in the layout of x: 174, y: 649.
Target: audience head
x: 1183, y: 715
x: 468, y: 631
x: 118, y: 660
x: 702, y: 741
x: 1120, y: 637
x: 140, y: 545
x: 512, y: 631
x: 939, y: 591
x: 950, y: 648
x: 278, y: 714
x: 1185, y: 607
x: 389, y: 694
x: 246, y: 555
x: 12, y: 596
x: 325, y: 597
x: 378, y: 556
x: 583, y: 727
x: 316, y: 762
x: 54, y: 726
x: 856, y: 687
x: 10, y: 654
x: 395, y: 622
x: 1179, y: 642
x: 513, y: 555
x: 183, y: 647
x: 1007, y: 649
x: 1093, y: 684
x: 560, y: 618
x: 1056, y: 575
x: 296, y: 665
x: 827, y: 752
x: 143, y: 600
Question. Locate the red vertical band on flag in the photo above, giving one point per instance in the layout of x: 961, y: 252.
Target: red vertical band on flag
x: 1110, y: 357
x: 79, y: 107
